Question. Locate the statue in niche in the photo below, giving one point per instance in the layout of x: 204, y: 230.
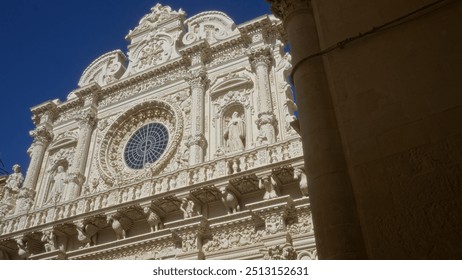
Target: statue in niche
x: 13, y: 183
x: 59, y: 183
x: 235, y: 134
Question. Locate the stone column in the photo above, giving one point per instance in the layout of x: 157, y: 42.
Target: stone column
x: 42, y: 137
x: 261, y: 62
x: 197, y: 142
x: 336, y: 222
x: 87, y: 122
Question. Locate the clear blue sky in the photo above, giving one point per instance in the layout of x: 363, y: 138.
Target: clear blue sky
x: 46, y: 45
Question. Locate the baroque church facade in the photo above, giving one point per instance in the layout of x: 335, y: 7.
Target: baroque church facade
x: 181, y: 149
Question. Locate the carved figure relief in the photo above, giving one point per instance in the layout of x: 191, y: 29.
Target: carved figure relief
x: 187, y: 206
x: 268, y: 184
x: 230, y: 201
x: 153, y: 219
x: 49, y: 241
x: 86, y: 234
x: 58, y: 188
x: 234, y: 133
x: 114, y: 221
x: 299, y: 174
x: 14, y: 182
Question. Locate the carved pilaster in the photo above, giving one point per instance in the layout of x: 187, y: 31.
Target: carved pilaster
x: 261, y: 61
x: 284, y: 8
x: 197, y: 79
x: 87, y: 122
x: 42, y: 137
x: 197, y: 140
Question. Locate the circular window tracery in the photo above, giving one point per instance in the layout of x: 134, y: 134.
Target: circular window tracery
x: 146, y: 145
x: 117, y: 160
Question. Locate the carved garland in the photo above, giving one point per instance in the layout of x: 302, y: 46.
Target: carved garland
x: 111, y: 164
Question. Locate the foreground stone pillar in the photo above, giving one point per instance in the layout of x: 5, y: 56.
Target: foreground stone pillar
x: 337, y: 229
x: 261, y: 61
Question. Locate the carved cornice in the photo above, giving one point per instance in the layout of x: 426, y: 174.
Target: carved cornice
x: 199, y: 50
x: 45, y: 112
x: 284, y: 8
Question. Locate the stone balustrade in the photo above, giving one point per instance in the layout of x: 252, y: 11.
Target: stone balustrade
x: 189, y: 178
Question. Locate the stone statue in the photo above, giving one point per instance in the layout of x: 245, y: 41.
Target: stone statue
x: 116, y: 225
x: 23, y: 251
x: 269, y: 185
x: 299, y: 174
x: 235, y: 134
x: 153, y: 219
x: 187, y: 206
x: 49, y: 241
x: 86, y: 234
x: 59, y: 183
x: 230, y: 201
x: 14, y: 182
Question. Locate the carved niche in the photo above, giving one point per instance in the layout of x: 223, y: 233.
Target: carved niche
x: 61, y: 153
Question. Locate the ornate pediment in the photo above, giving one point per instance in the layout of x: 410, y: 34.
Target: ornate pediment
x: 153, y: 41
x: 159, y: 16
x: 106, y: 69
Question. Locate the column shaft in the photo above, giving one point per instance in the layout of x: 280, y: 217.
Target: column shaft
x: 337, y: 229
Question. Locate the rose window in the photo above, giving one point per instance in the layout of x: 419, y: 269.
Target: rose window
x: 146, y: 145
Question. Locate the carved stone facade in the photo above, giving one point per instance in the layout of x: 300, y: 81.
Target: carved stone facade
x: 181, y: 149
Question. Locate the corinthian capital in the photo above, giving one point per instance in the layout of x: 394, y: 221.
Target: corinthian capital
x: 197, y: 78
x: 42, y: 134
x: 259, y: 56
x: 198, y: 139
x: 284, y: 8
x: 88, y: 118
